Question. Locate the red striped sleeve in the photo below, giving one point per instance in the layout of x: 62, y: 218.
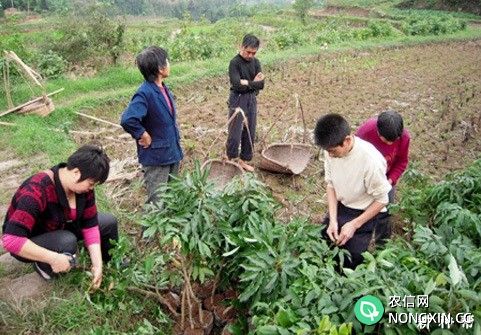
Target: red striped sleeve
x: 90, y: 212
x: 23, y: 217
x: 27, y: 204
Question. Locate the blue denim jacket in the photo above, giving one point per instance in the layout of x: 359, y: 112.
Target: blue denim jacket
x: 149, y: 111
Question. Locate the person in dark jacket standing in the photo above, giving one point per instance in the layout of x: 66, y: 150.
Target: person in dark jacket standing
x: 151, y: 119
x: 246, y: 80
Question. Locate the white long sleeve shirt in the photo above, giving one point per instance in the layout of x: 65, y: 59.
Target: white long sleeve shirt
x: 359, y: 178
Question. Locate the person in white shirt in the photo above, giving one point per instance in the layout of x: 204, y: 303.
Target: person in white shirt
x: 357, y: 187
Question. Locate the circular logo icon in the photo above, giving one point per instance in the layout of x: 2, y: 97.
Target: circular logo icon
x: 369, y: 310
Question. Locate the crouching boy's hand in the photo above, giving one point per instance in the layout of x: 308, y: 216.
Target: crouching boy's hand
x: 347, y: 232
x: 332, y: 230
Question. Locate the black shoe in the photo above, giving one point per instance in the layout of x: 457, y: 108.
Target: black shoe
x: 43, y: 270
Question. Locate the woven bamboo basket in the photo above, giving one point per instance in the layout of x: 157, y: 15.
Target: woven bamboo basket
x: 288, y: 158
x: 39, y: 107
x: 222, y: 171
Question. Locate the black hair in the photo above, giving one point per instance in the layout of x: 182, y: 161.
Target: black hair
x: 331, y: 131
x: 390, y: 125
x: 150, y: 60
x: 250, y: 41
x: 92, y: 161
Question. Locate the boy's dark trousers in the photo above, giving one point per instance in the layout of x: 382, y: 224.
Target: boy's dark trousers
x: 238, y: 134
x: 362, y: 237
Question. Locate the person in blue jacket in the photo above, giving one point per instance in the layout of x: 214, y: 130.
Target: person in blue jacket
x: 151, y: 120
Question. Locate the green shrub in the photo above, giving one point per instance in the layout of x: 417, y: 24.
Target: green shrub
x: 51, y: 64
x: 328, y: 37
x: 431, y: 25
x: 361, y: 34
x: 301, y: 7
x: 286, y: 38
x: 15, y: 42
x: 381, y: 29
x: 88, y: 35
x: 191, y: 45
x: 143, y: 39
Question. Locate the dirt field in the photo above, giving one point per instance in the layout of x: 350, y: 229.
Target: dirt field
x: 437, y: 88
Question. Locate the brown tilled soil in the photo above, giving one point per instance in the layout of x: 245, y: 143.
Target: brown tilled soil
x: 436, y: 87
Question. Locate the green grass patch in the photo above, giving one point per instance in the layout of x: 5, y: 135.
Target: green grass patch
x: 37, y: 135
x: 79, y: 313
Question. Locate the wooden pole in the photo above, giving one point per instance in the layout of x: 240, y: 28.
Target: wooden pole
x: 304, y: 136
x: 34, y: 76
x: 99, y: 120
x: 6, y: 82
x: 30, y: 102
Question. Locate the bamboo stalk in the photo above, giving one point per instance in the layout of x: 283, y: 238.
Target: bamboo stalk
x: 214, y: 287
x: 263, y: 140
x: 34, y: 76
x: 98, y: 119
x: 303, y: 118
x: 6, y: 82
x: 238, y: 110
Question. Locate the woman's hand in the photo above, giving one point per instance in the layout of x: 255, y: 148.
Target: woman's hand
x: 60, y: 263
x: 96, y: 276
x: 145, y: 140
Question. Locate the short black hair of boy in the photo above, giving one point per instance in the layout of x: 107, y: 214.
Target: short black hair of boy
x: 150, y: 60
x: 390, y: 125
x: 250, y: 41
x: 331, y: 131
x: 92, y: 161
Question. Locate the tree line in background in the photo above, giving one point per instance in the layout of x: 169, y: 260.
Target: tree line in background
x: 212, y: 10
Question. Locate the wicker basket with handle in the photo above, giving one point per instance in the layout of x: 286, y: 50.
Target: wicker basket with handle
x: 222, y: 171
x: 288, y: 158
